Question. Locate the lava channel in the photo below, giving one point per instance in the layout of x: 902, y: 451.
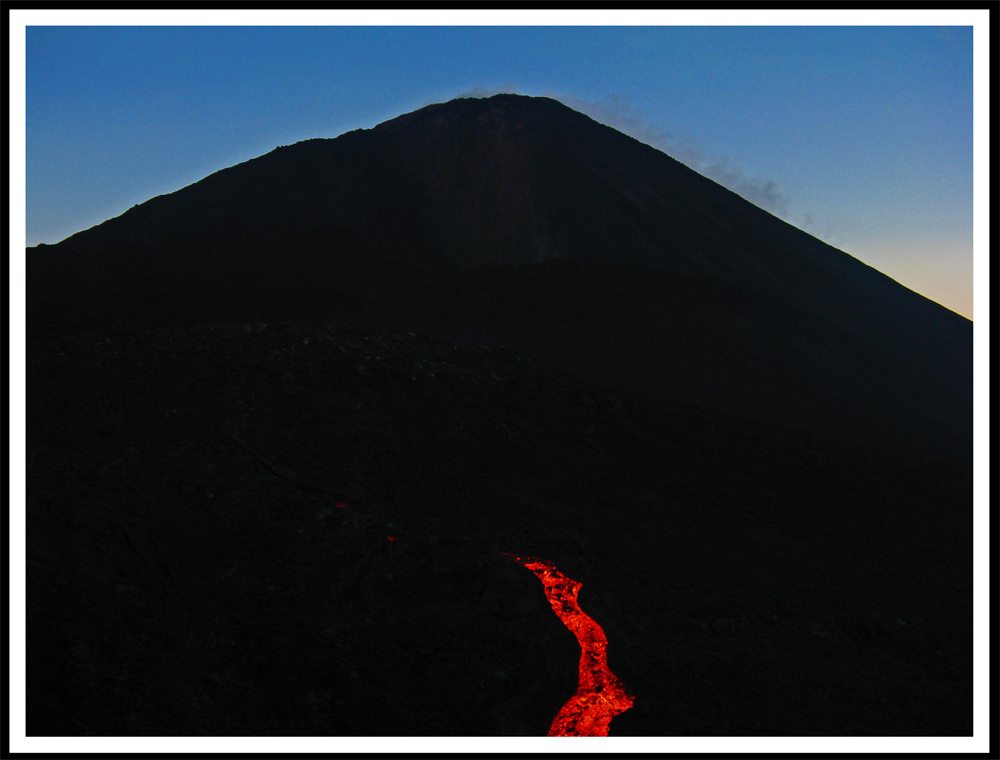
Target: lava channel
x: 600, y: 696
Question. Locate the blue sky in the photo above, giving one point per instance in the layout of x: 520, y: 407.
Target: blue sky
x: 862, y: 136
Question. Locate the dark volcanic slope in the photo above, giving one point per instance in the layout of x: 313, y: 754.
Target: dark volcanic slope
x: 594, y: 356
x: 658, y: 277
x: 190, y: 571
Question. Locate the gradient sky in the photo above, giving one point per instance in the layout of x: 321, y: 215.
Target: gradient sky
x: 862, y: 136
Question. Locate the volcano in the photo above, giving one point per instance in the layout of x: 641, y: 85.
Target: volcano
x: 285, y: 423
x: 516, y: 219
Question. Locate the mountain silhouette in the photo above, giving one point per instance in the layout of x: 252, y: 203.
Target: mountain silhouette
x: 517, y: 219
x: 287, y: 425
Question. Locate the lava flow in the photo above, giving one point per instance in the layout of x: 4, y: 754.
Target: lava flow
x: 600, y: 696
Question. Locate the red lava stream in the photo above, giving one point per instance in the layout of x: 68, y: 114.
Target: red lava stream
x: 600, y: 696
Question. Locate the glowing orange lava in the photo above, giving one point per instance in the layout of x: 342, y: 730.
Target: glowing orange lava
x: 600, y: 696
